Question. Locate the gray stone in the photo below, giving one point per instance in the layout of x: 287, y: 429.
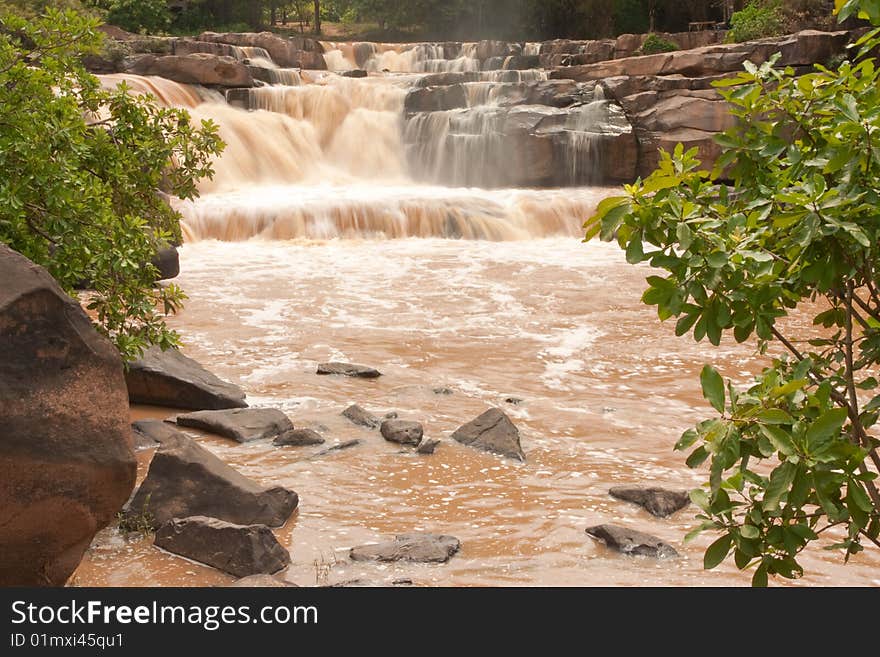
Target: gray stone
x: 427, y: 446
x: 349, y: 369
x: 361, y: 417
x: 242, y: 424
x: 348, y: 444
x: 239, y: 550
x: 402, y: 431
x: 298, y: 438
x: 493, y: 432
x: 630, y: 541
x: 428, y: 548
x: 660, y: 502
x: 151, y: 433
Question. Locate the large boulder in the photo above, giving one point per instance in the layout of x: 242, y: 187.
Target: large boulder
x: 168, y: 378
x: 427, y: 548
x: 195, y: 68
x: 493, y: 432
x: 240, y: 424
x: 66, y: 459
x: 402, y: 431
x: 240, y: 550
x: 185, y: 479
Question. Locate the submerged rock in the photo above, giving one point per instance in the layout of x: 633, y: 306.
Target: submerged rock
x: 660, y: 502
x: 428, y: 446
x: 299, y: 438
x: 239, y: 550
x: 66, y: 460
x: 151, y: 433
x: 349, y: 369
x: 168, y: 378
x: 630, y: 541
x: 361, y: 417
x: 428, y: 548
x: 402, y: 431
x: 242, y: 424
x: 339, y: 447
x: 443, y: 391
x: 493, y: 432
x: 185, y: 479
x: 262, y: 582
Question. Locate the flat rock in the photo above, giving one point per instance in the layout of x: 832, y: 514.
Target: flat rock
x: 349, y: 369
x: 493, y: 432
x: 195, y: 68
x: 402, y: 431
x: 428, y: 548
x: 428, y: 446
x: 630, y: 541
x: 348, y: 444
x: 168, y: 378
x: 361, y: 417
x: 185, y: 479
x: 660, y: 502
x: 239, y: 550
x: 262, y: 582
x: 152, y: 433
x: 242, y: 424
x: 299, y: 438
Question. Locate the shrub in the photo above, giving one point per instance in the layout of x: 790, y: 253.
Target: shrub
x: 758, y: 20
x: 654, y: 44
x: 140, y: 16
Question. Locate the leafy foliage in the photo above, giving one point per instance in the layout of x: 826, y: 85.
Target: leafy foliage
x: 654, y: 44
x: 150, y: 16
x: 791, y: 456
x: 85, y: 168
x: 757, y: 20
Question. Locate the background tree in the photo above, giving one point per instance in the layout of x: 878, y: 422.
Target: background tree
x: 795, y: 455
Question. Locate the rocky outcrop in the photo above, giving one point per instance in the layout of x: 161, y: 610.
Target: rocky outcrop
x: 149, y: 434
x: 240, y: 550
x: 349, y: 369
x: 403, y: 432
x: 297, y: 52
x: 436, y: 99
x: 659, y: 502
x: 185, y: 480
x: 195, y: 68
x: 66, y: 459
x: 427, y: 548
x: 243, y: 425
x: 298, y: 438
x: 168, y: 378
x: 492, y: 432
x: 630, y: 541
x: 361, y: 417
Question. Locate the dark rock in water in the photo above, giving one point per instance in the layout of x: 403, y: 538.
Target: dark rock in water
x: 659, y: 502
x: 167, y: 261
x: 241, y: 424
x: 403, y: 581
x: 443, y: 391
x: 391, y: 415
x: 493, y: 432
x: 239, y: 550
x: 359, y: 582
x: 151, y: 433
x: 66, y: 460
x: 349, y: 369
x: 299, y: 438
x: 168, y: 378
x: 515, y: 401
x: 428, y: 548
x: 338, y: 448
x: 185, y: 479
x: 402, y: 431
x: 428, y: 446
x: 262, y: 582
x: 630, y: 541
x: 361, y: 417
x: 354, y: 73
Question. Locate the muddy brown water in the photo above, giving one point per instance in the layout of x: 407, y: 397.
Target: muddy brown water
x: 606, y: 390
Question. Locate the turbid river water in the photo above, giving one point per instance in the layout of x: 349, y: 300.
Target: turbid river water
x: 315, y: 242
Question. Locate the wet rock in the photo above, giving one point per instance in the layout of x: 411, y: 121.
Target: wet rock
x: 66, y: 459
x: 168, y: 378
x: 195, y: 68
x: 402, y: 431
x: 349, y: 369
x: 241, y: 424
x: 443, y: 391
x: 261, y: 582
x: 361, y: 417
x: 436, y: 99
x: 298, y: 438
x: 348, y: 444
x: 240, y: 550
x: 428, y: 548
x: 185, y: 479
x: 660, y: 502
x: 402, y: 581
x: 493, y: 432
x: 515, y: 401
x: 428, y: 446
x: 167, y: 261
x: 294, y: 52
x: 391, y: 415
x: 446, y: 79
x: 152, y: 433
x: 356, y: 73
x: 630, y: 541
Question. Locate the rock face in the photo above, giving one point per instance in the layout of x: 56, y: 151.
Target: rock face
x: 493, y: 432
x: 185, y: 479
x: 152, y: 433
x: 298, y: 438
x: 429, y: 548
x: 630, y: 541
x: 240, y: 424
x: 67, y: 463
x: 195, y: 68
x: 659, y: 502
x: 297, y: 52
x: 361, y: 417
x: 168, y: 378
x: 240, y: 550
x: 349, y: 369
x: 402, y: 431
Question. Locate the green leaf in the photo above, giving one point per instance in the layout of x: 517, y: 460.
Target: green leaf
x: 759, y: 579
x: 717, y: 552
x: 780, y: 482
x: 713, y: 387
x: 750, y: 531
x: 775, y: 416
x: 825, y: 426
